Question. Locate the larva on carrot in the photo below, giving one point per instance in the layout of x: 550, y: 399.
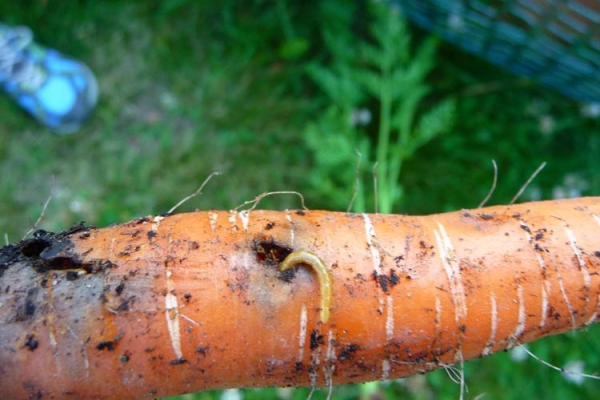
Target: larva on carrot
x: 311, y: 259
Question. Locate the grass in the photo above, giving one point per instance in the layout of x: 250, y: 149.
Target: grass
x: 161, y: 127
x: 188, y: 88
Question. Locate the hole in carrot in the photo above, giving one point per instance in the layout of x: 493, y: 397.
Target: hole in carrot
x: 272, y: 253
x: 269, y: 251
x: 47, y: 250
x: 33, y: 247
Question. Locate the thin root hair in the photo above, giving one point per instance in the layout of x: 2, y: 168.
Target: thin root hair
x: 487, y: 197
x: 376, y: 200
x: 531, y: 178
x: 356, y: 180
x: 196, y: 193
x: 328, y: 373
x: 457, y: 375
x: 310, y: 394
x: 559, y: 369
x: 44, y: 208
x: 258, y: 198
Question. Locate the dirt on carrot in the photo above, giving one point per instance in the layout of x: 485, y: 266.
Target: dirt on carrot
x: 179, y: 303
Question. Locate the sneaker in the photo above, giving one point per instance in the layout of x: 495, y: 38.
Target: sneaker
x: 56, y: 90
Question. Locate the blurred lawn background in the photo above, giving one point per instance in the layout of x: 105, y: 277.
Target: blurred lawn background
x: 191, y: 87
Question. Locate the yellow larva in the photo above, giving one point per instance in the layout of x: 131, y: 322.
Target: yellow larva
x: 313, y: 260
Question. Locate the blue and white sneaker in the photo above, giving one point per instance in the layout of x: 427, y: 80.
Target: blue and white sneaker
x: 56, y: 90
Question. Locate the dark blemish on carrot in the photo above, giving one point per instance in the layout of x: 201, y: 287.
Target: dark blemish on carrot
x: 9, y: 255
x: 540, y: 234
x: 203, y: 351
x: 187, y: 297
x: 552, y: 313
x: 31, y: 342
x: 179, y: 361
x: 393, y: 279
x: 108, y: 345
x: 385, y: 282
x: 485, y: 217
x: 193, y: 245
x: 26, y: 309
x: 348, y: 352
x: 287, y: 275
x: 132, y: 233
x: 300, y: 212
x: 382, y: 280
x: 269, y: 226
x: 124, y: 306
x: 423, y: 245
x: 123, y: 358
x: 96, y: 267
x: 316, y: 339
x: 597, y: 253
x: 119, y: 288
x: 525, y: 228
x: 72, y: 275
x: 298, y: 366
x: 29, y: 308
x: 462, y: 328
x: 151, y: 234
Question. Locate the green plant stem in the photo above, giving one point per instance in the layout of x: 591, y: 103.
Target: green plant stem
x: 286, y: 23
x: 384, y: 196
x: 401, y: 145
x: 361, y: 202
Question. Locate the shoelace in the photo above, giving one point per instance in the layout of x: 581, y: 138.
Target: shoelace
x: 15, y: 68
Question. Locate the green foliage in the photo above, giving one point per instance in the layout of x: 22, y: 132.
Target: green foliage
x: 173, y: 109
x: 383, y: 69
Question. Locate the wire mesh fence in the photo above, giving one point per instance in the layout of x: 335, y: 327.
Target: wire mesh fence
x: 556, y: 42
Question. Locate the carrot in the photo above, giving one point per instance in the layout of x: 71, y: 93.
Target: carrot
x: 180, y: 303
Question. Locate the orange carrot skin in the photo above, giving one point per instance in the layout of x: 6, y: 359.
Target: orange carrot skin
x: 181, y: 303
